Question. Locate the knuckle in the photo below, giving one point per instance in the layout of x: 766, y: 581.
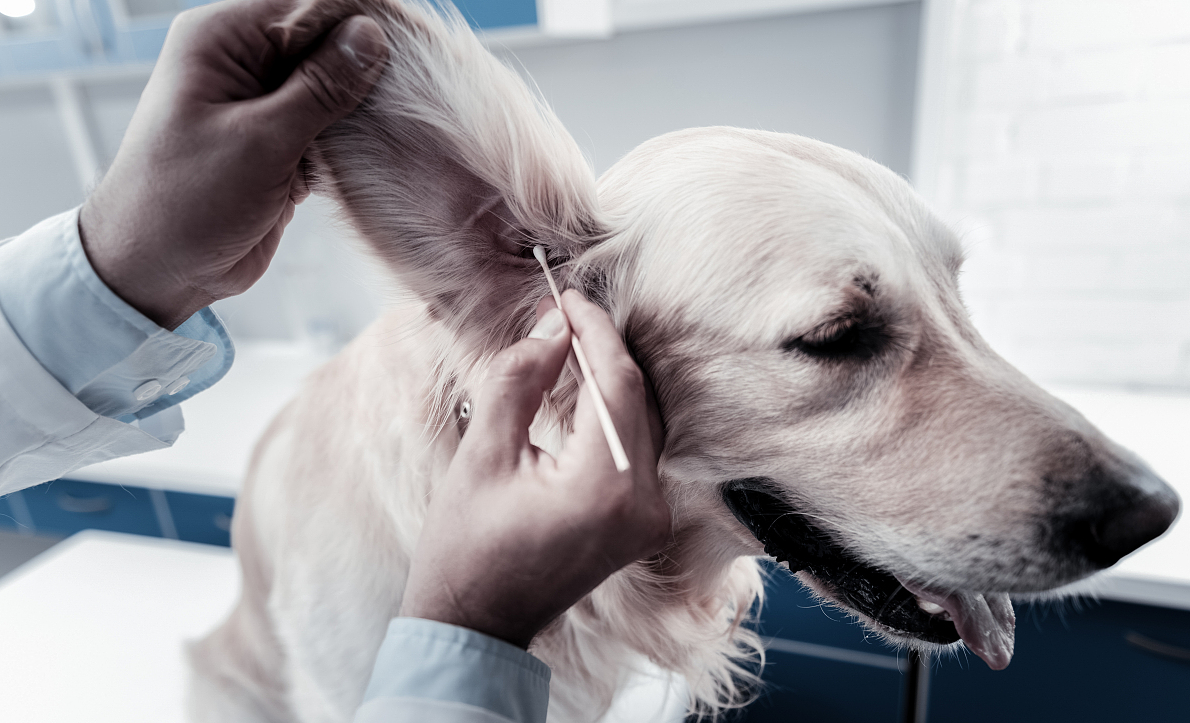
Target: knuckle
x: 325, y: 88
x: 194, y: 20
x: 186, y: 20
x: 511, y: 365
x: 630, y: 378
x: 623, y: 370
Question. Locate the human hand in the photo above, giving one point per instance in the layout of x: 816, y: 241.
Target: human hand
x: 514, y: 537
x: 208, y: 174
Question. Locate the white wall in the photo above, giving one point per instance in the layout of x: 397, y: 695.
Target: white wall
x: 1064, y: 149
x: 37, y: 177
x: 843, y: 76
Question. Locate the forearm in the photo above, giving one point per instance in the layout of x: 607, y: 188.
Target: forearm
x: 431, y: 672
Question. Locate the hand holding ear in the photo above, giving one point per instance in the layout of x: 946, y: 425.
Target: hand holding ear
x: 513, y: 536
x: 208, y: 173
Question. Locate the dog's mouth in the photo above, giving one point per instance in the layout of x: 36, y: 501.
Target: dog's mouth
x: 901, y: 609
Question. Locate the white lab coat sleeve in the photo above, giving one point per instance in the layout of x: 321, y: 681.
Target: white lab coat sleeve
x: 76, y: 361
x: 431, y: 672
x: 45, y: 431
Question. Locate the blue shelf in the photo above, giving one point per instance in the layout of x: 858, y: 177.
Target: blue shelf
x: 140, y: 40
x: 495, y: 14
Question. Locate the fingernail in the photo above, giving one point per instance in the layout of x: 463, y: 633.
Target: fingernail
x: 549, y: 326
x: 361, y: 41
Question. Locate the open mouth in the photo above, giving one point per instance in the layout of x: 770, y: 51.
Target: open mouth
x: 984, y: 622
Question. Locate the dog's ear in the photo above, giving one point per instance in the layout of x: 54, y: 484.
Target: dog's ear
x: 452, y: 169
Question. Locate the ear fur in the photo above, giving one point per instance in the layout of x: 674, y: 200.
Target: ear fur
x: 450, y: 167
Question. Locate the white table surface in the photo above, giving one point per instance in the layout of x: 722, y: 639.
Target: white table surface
x: 224, y: 423
x: 93, y: 629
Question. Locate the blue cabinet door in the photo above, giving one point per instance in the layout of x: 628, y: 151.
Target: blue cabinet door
x: 201, y: 518
x: 821, y: 666
x: 65, y: 507
x: 1091, y: 662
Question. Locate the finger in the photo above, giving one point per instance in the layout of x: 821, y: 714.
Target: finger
x: 543, y: 306
x: 595, y: 330
x: 329, y: 84
x: 299, y: 188
x: 304, y: 22
x: 620, y: 381
x: 248, y: 270
x: 517, y: 379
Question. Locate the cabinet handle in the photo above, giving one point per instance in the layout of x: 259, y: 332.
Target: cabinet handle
x: 84, y: 505
x: 1156, y: 647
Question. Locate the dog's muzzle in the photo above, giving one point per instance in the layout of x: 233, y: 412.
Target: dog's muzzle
x: 788, y: 537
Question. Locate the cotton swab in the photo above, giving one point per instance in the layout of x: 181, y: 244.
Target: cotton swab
x: 605, y: 418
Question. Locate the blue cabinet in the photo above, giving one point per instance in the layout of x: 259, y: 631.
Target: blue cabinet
x: 1085, y: 661
x: 822, y: 667
x: 64, y: 507
x: 201, y: 518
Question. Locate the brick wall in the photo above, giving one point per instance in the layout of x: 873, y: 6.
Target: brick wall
x: 1063, y: 152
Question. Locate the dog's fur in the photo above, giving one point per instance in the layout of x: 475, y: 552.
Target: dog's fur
x: 728, y: 258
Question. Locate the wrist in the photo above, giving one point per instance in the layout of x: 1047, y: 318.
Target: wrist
x: 132, y: 269
x: 514, y: 632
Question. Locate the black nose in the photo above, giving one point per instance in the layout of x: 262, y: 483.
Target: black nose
x: 1126, y: 526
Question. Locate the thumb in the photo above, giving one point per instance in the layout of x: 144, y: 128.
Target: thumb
x: 331, y: 82
x: 517, y: 378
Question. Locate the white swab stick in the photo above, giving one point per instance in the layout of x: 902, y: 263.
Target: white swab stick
x: 605, y: 418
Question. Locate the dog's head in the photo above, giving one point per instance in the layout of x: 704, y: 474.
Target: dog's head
x: 826, y: 399
x: 797, y: 309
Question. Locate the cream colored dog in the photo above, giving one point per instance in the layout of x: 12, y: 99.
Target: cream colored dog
x: 795, y: 305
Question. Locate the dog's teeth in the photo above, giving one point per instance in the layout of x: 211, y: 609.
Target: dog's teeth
x: 932, y: 608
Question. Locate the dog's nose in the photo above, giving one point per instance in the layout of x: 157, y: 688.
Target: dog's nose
x: 1133, y: 521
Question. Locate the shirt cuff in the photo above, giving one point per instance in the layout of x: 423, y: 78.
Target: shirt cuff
x: 427, y: 660
x: 114, y: 359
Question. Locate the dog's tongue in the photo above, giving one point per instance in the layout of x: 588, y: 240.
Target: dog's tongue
x: 986, y: 623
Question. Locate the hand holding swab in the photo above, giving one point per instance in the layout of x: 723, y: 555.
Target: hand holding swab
x: 587, y: 377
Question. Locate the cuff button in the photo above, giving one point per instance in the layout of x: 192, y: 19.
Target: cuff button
x: 177, y: 386
x: 147, y: 391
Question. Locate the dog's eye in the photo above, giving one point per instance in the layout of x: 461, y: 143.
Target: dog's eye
x: 843, y: 338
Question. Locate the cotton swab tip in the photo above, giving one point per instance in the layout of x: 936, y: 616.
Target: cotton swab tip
x: 539, y: 253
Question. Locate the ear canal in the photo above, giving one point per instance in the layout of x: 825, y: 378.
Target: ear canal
x: 448, y: 136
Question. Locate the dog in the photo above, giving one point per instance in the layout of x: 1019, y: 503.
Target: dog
x: 826, y: 399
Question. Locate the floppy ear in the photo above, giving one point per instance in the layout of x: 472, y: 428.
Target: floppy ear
x: 452, y: 169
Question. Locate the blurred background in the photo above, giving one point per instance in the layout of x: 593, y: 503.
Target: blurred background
x: 1053, y: 134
